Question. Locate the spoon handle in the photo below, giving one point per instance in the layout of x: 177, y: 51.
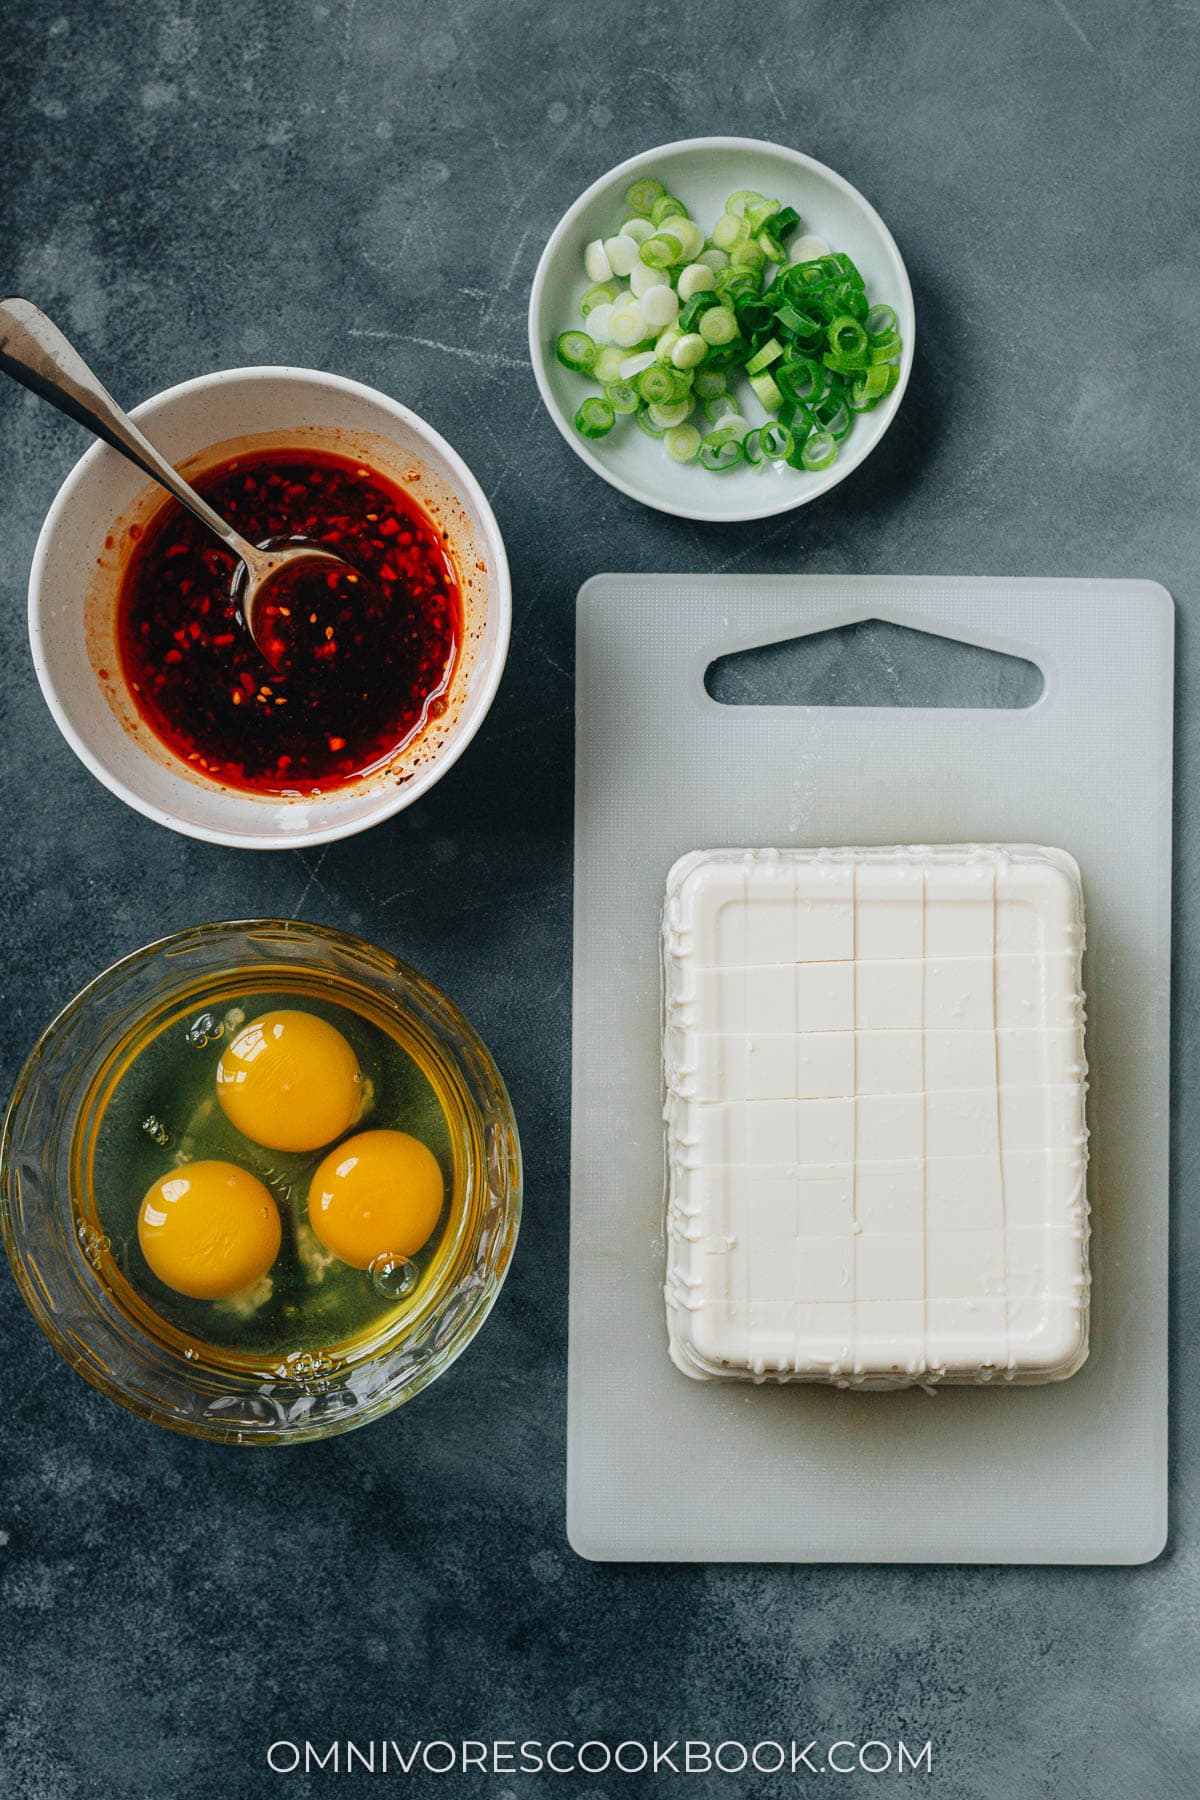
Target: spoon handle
x: 34, y: 352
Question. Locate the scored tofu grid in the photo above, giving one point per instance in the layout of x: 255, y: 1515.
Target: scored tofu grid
x: 877, y: 1154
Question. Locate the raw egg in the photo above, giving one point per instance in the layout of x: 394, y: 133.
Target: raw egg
x: 290, y: 1081
x: 378, y: 1193
x: 209, y: 1229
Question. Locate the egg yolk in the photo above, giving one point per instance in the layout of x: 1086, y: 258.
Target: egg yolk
x: 209, y: 1229
x: 290, y: 1081
x: 378, y: 1193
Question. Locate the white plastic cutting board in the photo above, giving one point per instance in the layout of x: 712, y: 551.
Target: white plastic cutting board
x: 661, y: 1468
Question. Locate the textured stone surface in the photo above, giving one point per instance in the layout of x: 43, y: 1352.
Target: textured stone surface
x: 364, y: 186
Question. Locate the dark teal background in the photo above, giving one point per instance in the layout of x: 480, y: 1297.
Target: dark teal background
x: 365, y: 186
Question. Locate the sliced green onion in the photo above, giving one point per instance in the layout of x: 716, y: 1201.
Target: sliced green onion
x: 801, y: 378
x: 848, y: 340
x: 884, y: 348
x: 595, y: 418
x: 595, y: 261
x: 666, y: 343
x: 717, y: 325
x: 648, y: 425
x: 682, y: 443
x: 628, y: 324
x: 757, y: 216
x: 719, y: 453
x: 576, y: 351
x: 744, y: 197
x: 766, y: 391
x: 771, y: 351
x: 672, y: 412
x: 698, y: 304
x: 642, y: 195
x: 639, y: 229
x: 608, y: 364
x: 660, y: 307
x: 603, y: 293
x: 709, y: 383
x: 833, y: 415
x: 622, y: 396
x: 864, y: 394
x: 695, y: 279
x: 728, y: 231
x: 667, y: 207
x: 656, y: 384
x: 752, y: 447
x: 881, y: 321
x: 622, y: 253
x: 841, y: 365
x: 713, y: 259
x: 872, y: 384
x: 819, y: 451
x: 691, y: 349
x: 777, y: 441
x: 599, y: 319
x: 662, y: 250
x: 748, y: 255
x: 770, y: 246
x: 689, y: 235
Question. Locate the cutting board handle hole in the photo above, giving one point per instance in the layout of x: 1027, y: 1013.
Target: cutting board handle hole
x: 873, y: 663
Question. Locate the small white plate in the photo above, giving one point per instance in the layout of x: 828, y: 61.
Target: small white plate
x: 703, y: 172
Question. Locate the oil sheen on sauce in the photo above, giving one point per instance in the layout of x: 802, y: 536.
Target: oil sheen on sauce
x: 364, y: 661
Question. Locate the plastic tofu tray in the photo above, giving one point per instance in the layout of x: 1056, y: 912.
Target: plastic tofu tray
x: 665, y: 1469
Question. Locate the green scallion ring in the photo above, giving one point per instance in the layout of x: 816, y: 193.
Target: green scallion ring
x: 847, y: 339
x: 622, y: 396
x: 833, y: 415
x: 744, y: 197
x: 576, y: 351
x: 641, y: 196
x: 880, y: 321
x: 682, y: 443
x: 717, y: 325
x: 602, y: 294
x: 648, y: 425
x: 668, y: 207
x: 777, y: 441
x: 884, y: 348
x: 747, y: 255
x: 819, y: 451
x: 752, y: 446
x: 655, y: 384
x: 802, y: 378
x: 719, y: 452
x: 661, y: 250
x: 595, y: 418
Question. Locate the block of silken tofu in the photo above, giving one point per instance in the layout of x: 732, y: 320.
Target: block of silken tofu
x: 877, y: 1148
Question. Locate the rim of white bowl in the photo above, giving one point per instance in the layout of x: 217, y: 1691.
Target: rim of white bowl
x: 845, y: 465
x: 390, y: 801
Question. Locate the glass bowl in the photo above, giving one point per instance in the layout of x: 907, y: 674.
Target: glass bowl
x: 65, y: 1267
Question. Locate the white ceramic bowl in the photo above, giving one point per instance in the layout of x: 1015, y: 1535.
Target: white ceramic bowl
x: 703, y: 172
x: 76, y: 570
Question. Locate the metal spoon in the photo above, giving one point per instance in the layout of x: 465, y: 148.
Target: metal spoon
x: 34, y: 352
